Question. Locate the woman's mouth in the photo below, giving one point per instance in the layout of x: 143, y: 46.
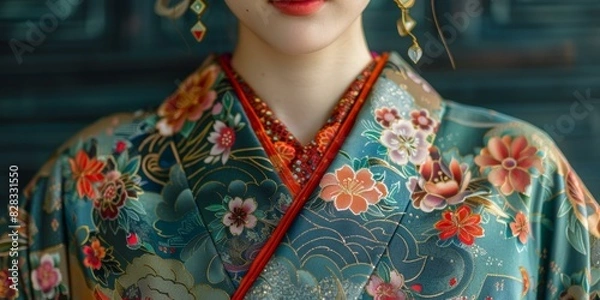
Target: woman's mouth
x: 298, y: 7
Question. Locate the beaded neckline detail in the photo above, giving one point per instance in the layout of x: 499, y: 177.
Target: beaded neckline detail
x: 302, y: 160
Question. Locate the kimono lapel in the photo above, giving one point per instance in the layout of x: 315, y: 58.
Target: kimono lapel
x: 348, y: 220
x: 238, y: 193
x: 300, y: 199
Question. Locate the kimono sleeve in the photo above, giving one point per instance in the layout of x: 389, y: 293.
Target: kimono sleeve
x: 570, y: 249
x: 40, y: 257
x: 34, y: 240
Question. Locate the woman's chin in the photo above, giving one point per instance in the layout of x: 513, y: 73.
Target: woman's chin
x: 298, y: 45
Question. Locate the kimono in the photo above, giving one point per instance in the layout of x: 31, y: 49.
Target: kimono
x: 417, y: 198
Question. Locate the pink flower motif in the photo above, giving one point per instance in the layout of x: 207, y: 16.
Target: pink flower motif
x: 46, y: 277
x: 223, y: 138
x: 350, y: 190
x: 510, y: 160
x: 439, y: 184
x: 381, y: 290
x: 386, y: 116
x: 240, y: 215
x: 405, y: 143
x: 421, y: 119
x: 520, y: 227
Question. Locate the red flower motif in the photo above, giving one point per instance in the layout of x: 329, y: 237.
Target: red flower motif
x: 520, y: 227
x: 462, y: 223
x: 325, y: 136
x: 381, y: 290
x: 510, y: 161
x: 352, y: 190
x: 6, y: 291
x: 113, y: 194
x: 120, y: 146
x: 133, y: 241
x: 285, y: 152
x: 417, y: 287
x: 386, y: 116
x: 421, y: 119
x: 439, y: 184
x: 223, y: 138
x: 240, y: 215
x: 94, y: 253
x: 452, y: 281
x: 192, y: 99
x: 86, y: 172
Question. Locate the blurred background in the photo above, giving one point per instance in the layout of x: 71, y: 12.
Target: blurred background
x: 66, y: 63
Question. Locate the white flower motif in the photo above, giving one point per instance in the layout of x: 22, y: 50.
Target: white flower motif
x: 405, y: 143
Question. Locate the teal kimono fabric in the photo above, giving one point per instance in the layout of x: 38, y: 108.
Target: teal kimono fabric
x: 426, y: 199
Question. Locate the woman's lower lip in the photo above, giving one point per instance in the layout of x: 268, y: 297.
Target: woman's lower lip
x: 298, y: 7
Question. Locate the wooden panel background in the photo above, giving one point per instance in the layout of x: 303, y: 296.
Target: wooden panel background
x: 526, y: 58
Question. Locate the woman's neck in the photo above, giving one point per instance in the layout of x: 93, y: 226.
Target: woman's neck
x: 302, y: 89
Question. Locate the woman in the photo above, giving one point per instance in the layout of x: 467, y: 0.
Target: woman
x: 302, y: 167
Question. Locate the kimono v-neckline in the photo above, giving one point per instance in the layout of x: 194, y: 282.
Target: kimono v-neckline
x: 300, y: 194
x: 302, y: 159
x: 296, y: 169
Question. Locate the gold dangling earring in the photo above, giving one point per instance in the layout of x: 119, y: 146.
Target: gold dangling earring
x: 199, y: 30
x: 405, y: 26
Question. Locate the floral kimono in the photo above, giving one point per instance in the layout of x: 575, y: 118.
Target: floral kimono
x: 402, y: 195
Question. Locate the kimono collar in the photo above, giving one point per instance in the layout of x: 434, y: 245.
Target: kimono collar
x: 425, y: 97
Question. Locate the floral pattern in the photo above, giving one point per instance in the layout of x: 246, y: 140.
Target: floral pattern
x: 240, y: 215
x: 352, y: 190
x: 392, y: 290
x: 46, y: 277
x: 7, y: 287
x: 439, y: 184
x: 285, y: 152
x: 386, y: 116
x: 520, y: 227
x: 86, y: 172
x: 223, y: 138
x: 462, y: 224
x: 194, y: 97
x: 94, y: 253
x: 405, y: 143
x: 179, y: 203
x: 421, y: 120
x: 509, y: 160
x: 325, y: 136
x: 112, y: 197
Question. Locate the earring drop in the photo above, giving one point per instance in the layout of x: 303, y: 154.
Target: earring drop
x: 405, y: 26
x: 198, y: 30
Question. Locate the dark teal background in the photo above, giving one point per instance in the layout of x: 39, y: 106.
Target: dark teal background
x: 531, y: 59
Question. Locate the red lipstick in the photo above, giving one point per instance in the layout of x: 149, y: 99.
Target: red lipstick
x: 298, y: 7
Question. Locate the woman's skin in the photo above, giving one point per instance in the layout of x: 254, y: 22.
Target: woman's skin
x: 300, y: 65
